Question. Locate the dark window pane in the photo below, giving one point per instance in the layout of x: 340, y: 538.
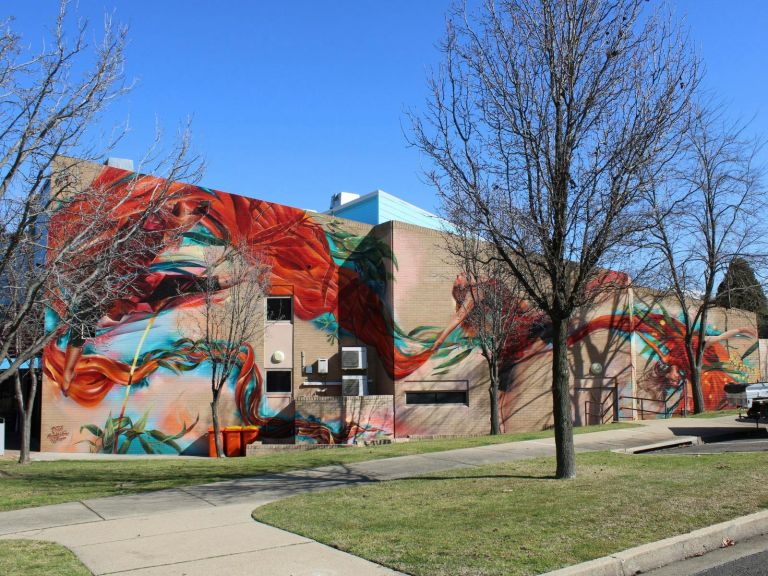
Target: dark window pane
x: 419, y: 398
x: 449, y: 397
x: 279, y: 309
x: 278, y: 381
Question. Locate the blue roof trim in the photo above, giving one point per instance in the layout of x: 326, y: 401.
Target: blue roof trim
x: 379, y: 207
x: 365, y: 209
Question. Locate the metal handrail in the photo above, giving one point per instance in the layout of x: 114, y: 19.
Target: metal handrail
x: 604, y: 410
x: 601, y: 415
x: 667, y: 413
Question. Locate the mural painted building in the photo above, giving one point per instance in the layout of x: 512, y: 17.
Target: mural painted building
x: 365, y: 338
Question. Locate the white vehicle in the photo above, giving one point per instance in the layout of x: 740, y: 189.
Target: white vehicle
x: 742, y: 395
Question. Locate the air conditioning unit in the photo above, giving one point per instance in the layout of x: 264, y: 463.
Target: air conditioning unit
x: 354, y: 385
x: 322, y: 365
x: 354, y: 358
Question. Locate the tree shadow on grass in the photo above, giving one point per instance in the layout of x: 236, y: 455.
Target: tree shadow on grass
x: 484, y: 477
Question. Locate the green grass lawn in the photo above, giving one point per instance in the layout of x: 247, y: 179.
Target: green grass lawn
x: 717, y: 413
x: 516, y: 519
x: 42, y: 483
x: 36, y: 558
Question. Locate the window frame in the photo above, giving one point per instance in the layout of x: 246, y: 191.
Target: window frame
x: 268, y: 371
x: 279, y: 321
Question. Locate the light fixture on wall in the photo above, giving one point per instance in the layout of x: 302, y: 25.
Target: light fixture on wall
x: 278, y: 356
x: 596, y: 369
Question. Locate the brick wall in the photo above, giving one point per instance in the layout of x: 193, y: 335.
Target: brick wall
x: 344, y: 419
x: 422, y: 297
x: 403, y: 309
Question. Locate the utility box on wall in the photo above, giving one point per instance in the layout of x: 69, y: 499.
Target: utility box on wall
x: 322, y: 365
x: 354, y: 385
x: 354, y: 358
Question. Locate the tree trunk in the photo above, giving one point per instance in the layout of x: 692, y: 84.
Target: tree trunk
x: 695, y: 378
x: 493, y: 391
x: 216, y: 427
x: 695, y: 356
x: 698, y: 394
x: 24, y: 409
x: 26, y: 437
x: 561, y: 401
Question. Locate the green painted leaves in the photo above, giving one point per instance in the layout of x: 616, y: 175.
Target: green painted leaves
x: 125, y: 431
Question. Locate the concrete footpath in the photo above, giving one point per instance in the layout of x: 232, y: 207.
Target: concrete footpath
x: 207, y: 529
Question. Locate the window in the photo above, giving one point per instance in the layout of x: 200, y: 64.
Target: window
x: 278, y: 382
x: 451, y: 397
x: 280, y: 309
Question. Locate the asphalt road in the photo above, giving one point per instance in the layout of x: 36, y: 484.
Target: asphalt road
x: 753, y: 565
x: 747, y: 558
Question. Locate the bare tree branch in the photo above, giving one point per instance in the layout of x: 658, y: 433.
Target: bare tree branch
x: 231, y: 316
x: 547, y: 123
x: 706, y: 214
x: 69, y: 246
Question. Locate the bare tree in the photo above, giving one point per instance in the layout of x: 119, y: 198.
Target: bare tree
x: 233, y: 284
x: 548, y: 119
x: 496, y: 310
x: 25, y: 382
x: 61, y: 237
x: 706, y: 215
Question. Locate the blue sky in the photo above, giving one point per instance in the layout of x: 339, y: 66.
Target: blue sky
x: 294, y: 101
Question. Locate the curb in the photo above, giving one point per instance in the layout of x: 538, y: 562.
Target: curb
x: 672, y: 443
x: 657, y: 554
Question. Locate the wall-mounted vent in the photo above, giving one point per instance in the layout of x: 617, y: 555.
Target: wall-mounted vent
x: 354, y: 358
x: 354, y: 385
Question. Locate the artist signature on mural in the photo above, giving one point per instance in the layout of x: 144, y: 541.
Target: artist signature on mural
x: 57, y: 434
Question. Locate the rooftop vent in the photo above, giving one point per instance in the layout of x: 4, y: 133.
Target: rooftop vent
x: 341, y: 198
x: 122, y: 163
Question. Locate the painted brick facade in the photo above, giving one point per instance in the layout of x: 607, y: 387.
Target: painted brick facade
x: 389, y: 288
